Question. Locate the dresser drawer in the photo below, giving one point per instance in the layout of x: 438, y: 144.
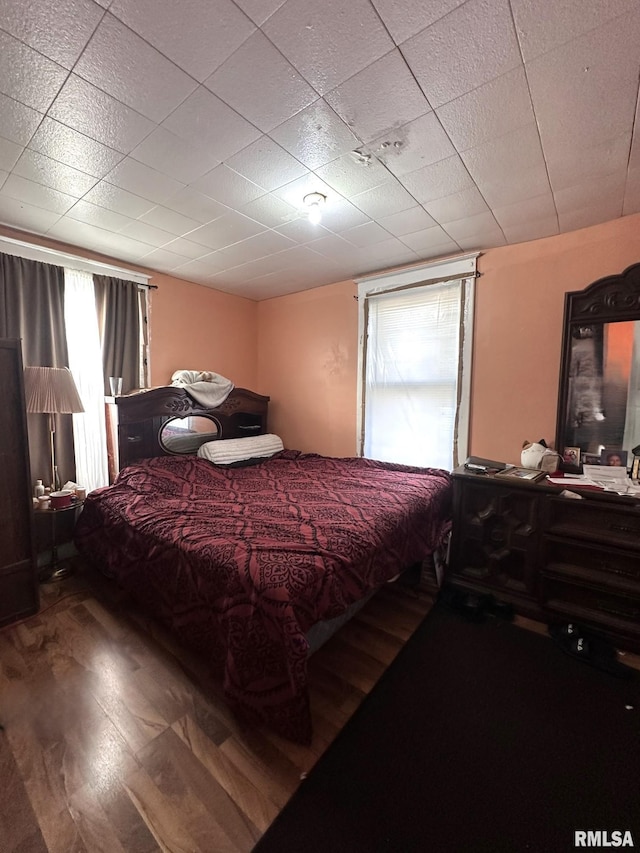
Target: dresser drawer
x: 573, y: 600
x: 611, y: 524
x: 601, y: 565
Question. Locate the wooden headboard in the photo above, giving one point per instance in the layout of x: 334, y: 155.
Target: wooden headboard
x: 141, y: 417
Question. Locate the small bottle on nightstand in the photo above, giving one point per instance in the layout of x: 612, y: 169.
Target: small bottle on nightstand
x: 38, y: 489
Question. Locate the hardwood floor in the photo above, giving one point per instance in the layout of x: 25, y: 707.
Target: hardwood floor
x: 115, y: 739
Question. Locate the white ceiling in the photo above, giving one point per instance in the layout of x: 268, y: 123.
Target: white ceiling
x: 182, y: 136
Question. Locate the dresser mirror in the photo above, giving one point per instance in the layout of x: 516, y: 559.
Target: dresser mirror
x: 599, y: 394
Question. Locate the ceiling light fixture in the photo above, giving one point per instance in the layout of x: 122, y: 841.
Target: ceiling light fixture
x: 315, y: 202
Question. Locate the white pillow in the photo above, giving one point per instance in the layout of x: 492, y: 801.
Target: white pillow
x: 226, y: 451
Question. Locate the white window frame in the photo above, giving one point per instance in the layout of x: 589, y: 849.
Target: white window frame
x: 460, y: 267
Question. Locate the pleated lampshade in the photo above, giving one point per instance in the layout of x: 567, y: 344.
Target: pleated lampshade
x: 51, y: 389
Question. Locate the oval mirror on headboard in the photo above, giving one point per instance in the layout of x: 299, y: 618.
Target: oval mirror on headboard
x: 186, y: 435
x: 599, y: 394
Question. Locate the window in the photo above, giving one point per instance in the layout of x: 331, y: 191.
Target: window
x: 415, y: 364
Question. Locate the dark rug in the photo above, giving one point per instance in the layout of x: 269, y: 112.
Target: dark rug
x: 479, y: 737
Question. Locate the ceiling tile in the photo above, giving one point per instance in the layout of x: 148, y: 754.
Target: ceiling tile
x: 334, y: 247
x: 248, y: 79
x: 592, y: 191
x: 509, y: 188
x: 88, y: 110
x: 366, y: 235
x: 530, y: 210
x: 229, y: 229
x: 176, y: 29
x: 259, y: 10
x: 576, y: 218
x: 167, y: 153
x: 119, y: 200
x: 429, y: 239
x: 467, y: 202
x: 228, y: 187
x: 270, y: 211
x: 339, y: 215
x: 162, y: 260
x: 265, y: 163
x: 122, y: 64
x: 438, y: 180
x: 36, y: 194
x: 17, y: 121
x: 187, y: 248
x: 255, y: 247
x: 195, y: 205
x: 315, y: 135
x: 92, y: 214
x: 561, y: 22
x: 579, y: 93
x: 43, y: 170
x: 490, y: 111
x: 58, y: 29
x: 407, y: 222
x: 203, y: 116
x: 419, y: 143
x: 300, y: 230
x: 382, y: 97
x: 318, y: 39
x: 384, y: 255
x: 19, y: 214
x: 405, y: 18
x: 531, y: 230
x: 26, y: 75
x: 143, y: 180
x: 469, y: 47
x: 9, y: 154
x: 384, y: 200
x: 169, y: 220
x: 146, y: 233
x: 349, y: 175
x: 74, y: 149
x: 585, y: 162
x: 468, y: 228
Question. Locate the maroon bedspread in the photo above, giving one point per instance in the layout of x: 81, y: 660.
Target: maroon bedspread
x: 240, y: 562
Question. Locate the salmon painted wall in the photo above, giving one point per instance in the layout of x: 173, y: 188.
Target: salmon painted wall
x: 197, y: 328
x: 518, y: 329
x: 307, y: 344
x: 307, y: 363
x: 192, y: 327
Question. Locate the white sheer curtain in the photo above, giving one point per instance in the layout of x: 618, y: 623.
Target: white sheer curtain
x: 85, y: 363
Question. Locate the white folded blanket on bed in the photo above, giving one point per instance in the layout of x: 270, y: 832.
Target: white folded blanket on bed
x: 226, y: 451
x: 208, y: 389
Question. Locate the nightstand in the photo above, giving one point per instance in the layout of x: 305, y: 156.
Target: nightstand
x: 58, y: 570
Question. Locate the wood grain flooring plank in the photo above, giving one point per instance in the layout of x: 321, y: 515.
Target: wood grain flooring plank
x: 126, y: 821
x: 162, y: 817
x: 264, y: 765
x: 256, y: 803
x: 208, y: 809
x: 93, y: 825
x: 19, y: 830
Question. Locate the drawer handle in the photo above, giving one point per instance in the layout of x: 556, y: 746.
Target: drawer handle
x: 632, y: 614
x: 622, y: 528
x: 253, y: 427
x: 134, y: 438
x: 614, y: 571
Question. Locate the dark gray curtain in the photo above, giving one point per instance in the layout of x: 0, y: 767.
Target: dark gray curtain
x: 32, y: 308
x: 117, y: 304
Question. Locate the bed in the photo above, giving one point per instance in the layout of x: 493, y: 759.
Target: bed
x: 246, y: 563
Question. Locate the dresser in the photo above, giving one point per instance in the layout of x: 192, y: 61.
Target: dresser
x: 18, y: 583
x: 556, y: 559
